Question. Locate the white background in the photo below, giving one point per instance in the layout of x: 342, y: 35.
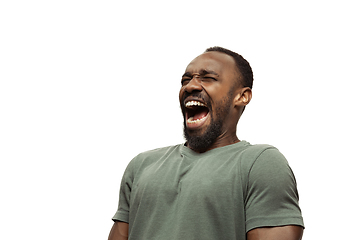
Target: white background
x: 87, y: 85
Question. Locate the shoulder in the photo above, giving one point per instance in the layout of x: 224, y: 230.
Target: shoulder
x: 158, y: 152
x: 268, y: 166
x: 143, y: 159
x: 262, y: 159
x: 257, y: 149
x: 271, y: 195
x: 253, y: 152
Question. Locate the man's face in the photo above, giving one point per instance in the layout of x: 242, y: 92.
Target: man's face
x: 206, y: 98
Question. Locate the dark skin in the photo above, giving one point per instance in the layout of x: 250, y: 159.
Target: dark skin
x: 213, y: 74
x: 215, y: 85
x: 119, y: 231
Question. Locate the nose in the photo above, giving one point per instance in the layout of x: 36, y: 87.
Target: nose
x: 194, y: 85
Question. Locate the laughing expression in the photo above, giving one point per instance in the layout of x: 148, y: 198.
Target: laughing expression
x: 205, y: 98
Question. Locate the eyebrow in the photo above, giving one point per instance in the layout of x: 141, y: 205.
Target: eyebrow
x: 202, y: 72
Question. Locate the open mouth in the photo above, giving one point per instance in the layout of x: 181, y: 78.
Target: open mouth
x: 196, y: 113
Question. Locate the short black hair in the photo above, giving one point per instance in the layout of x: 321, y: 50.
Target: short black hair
x: 242, y: 65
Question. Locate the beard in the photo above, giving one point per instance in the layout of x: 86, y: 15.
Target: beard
x: 202, y: 142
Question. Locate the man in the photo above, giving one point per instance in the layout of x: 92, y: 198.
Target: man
x: 214, y: 186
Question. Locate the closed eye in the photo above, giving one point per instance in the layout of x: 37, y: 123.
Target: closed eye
x: 185, y: 81
x: 210, y: 78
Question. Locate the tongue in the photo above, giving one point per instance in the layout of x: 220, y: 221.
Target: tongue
x: 200, y: 114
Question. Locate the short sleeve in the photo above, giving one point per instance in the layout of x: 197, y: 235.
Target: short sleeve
x: 122, y: 213
x: 272, y: 198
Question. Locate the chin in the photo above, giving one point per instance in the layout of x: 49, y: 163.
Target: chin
x: 202, y: 139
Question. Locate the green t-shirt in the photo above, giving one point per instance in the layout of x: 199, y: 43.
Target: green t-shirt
x: 175, y: 193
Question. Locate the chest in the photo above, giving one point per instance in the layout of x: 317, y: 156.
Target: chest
x: 184, y: 182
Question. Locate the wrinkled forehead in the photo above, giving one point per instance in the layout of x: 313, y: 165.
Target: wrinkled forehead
x: 218, y: 62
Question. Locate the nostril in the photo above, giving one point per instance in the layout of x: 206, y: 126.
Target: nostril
x: 193, y: 85
x: 191, y: 90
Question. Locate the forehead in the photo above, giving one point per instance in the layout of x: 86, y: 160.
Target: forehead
x: 218, y: 62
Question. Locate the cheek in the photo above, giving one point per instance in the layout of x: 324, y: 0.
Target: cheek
x: 181, y: 97
x: 181, y: 94
x: 217, y: 91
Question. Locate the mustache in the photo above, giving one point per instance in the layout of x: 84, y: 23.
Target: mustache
x: 195, y: 95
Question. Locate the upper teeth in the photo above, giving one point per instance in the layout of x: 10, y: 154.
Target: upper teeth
x: 194, y: 103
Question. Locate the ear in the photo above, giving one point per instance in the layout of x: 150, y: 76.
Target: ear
x: 243, y: 97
